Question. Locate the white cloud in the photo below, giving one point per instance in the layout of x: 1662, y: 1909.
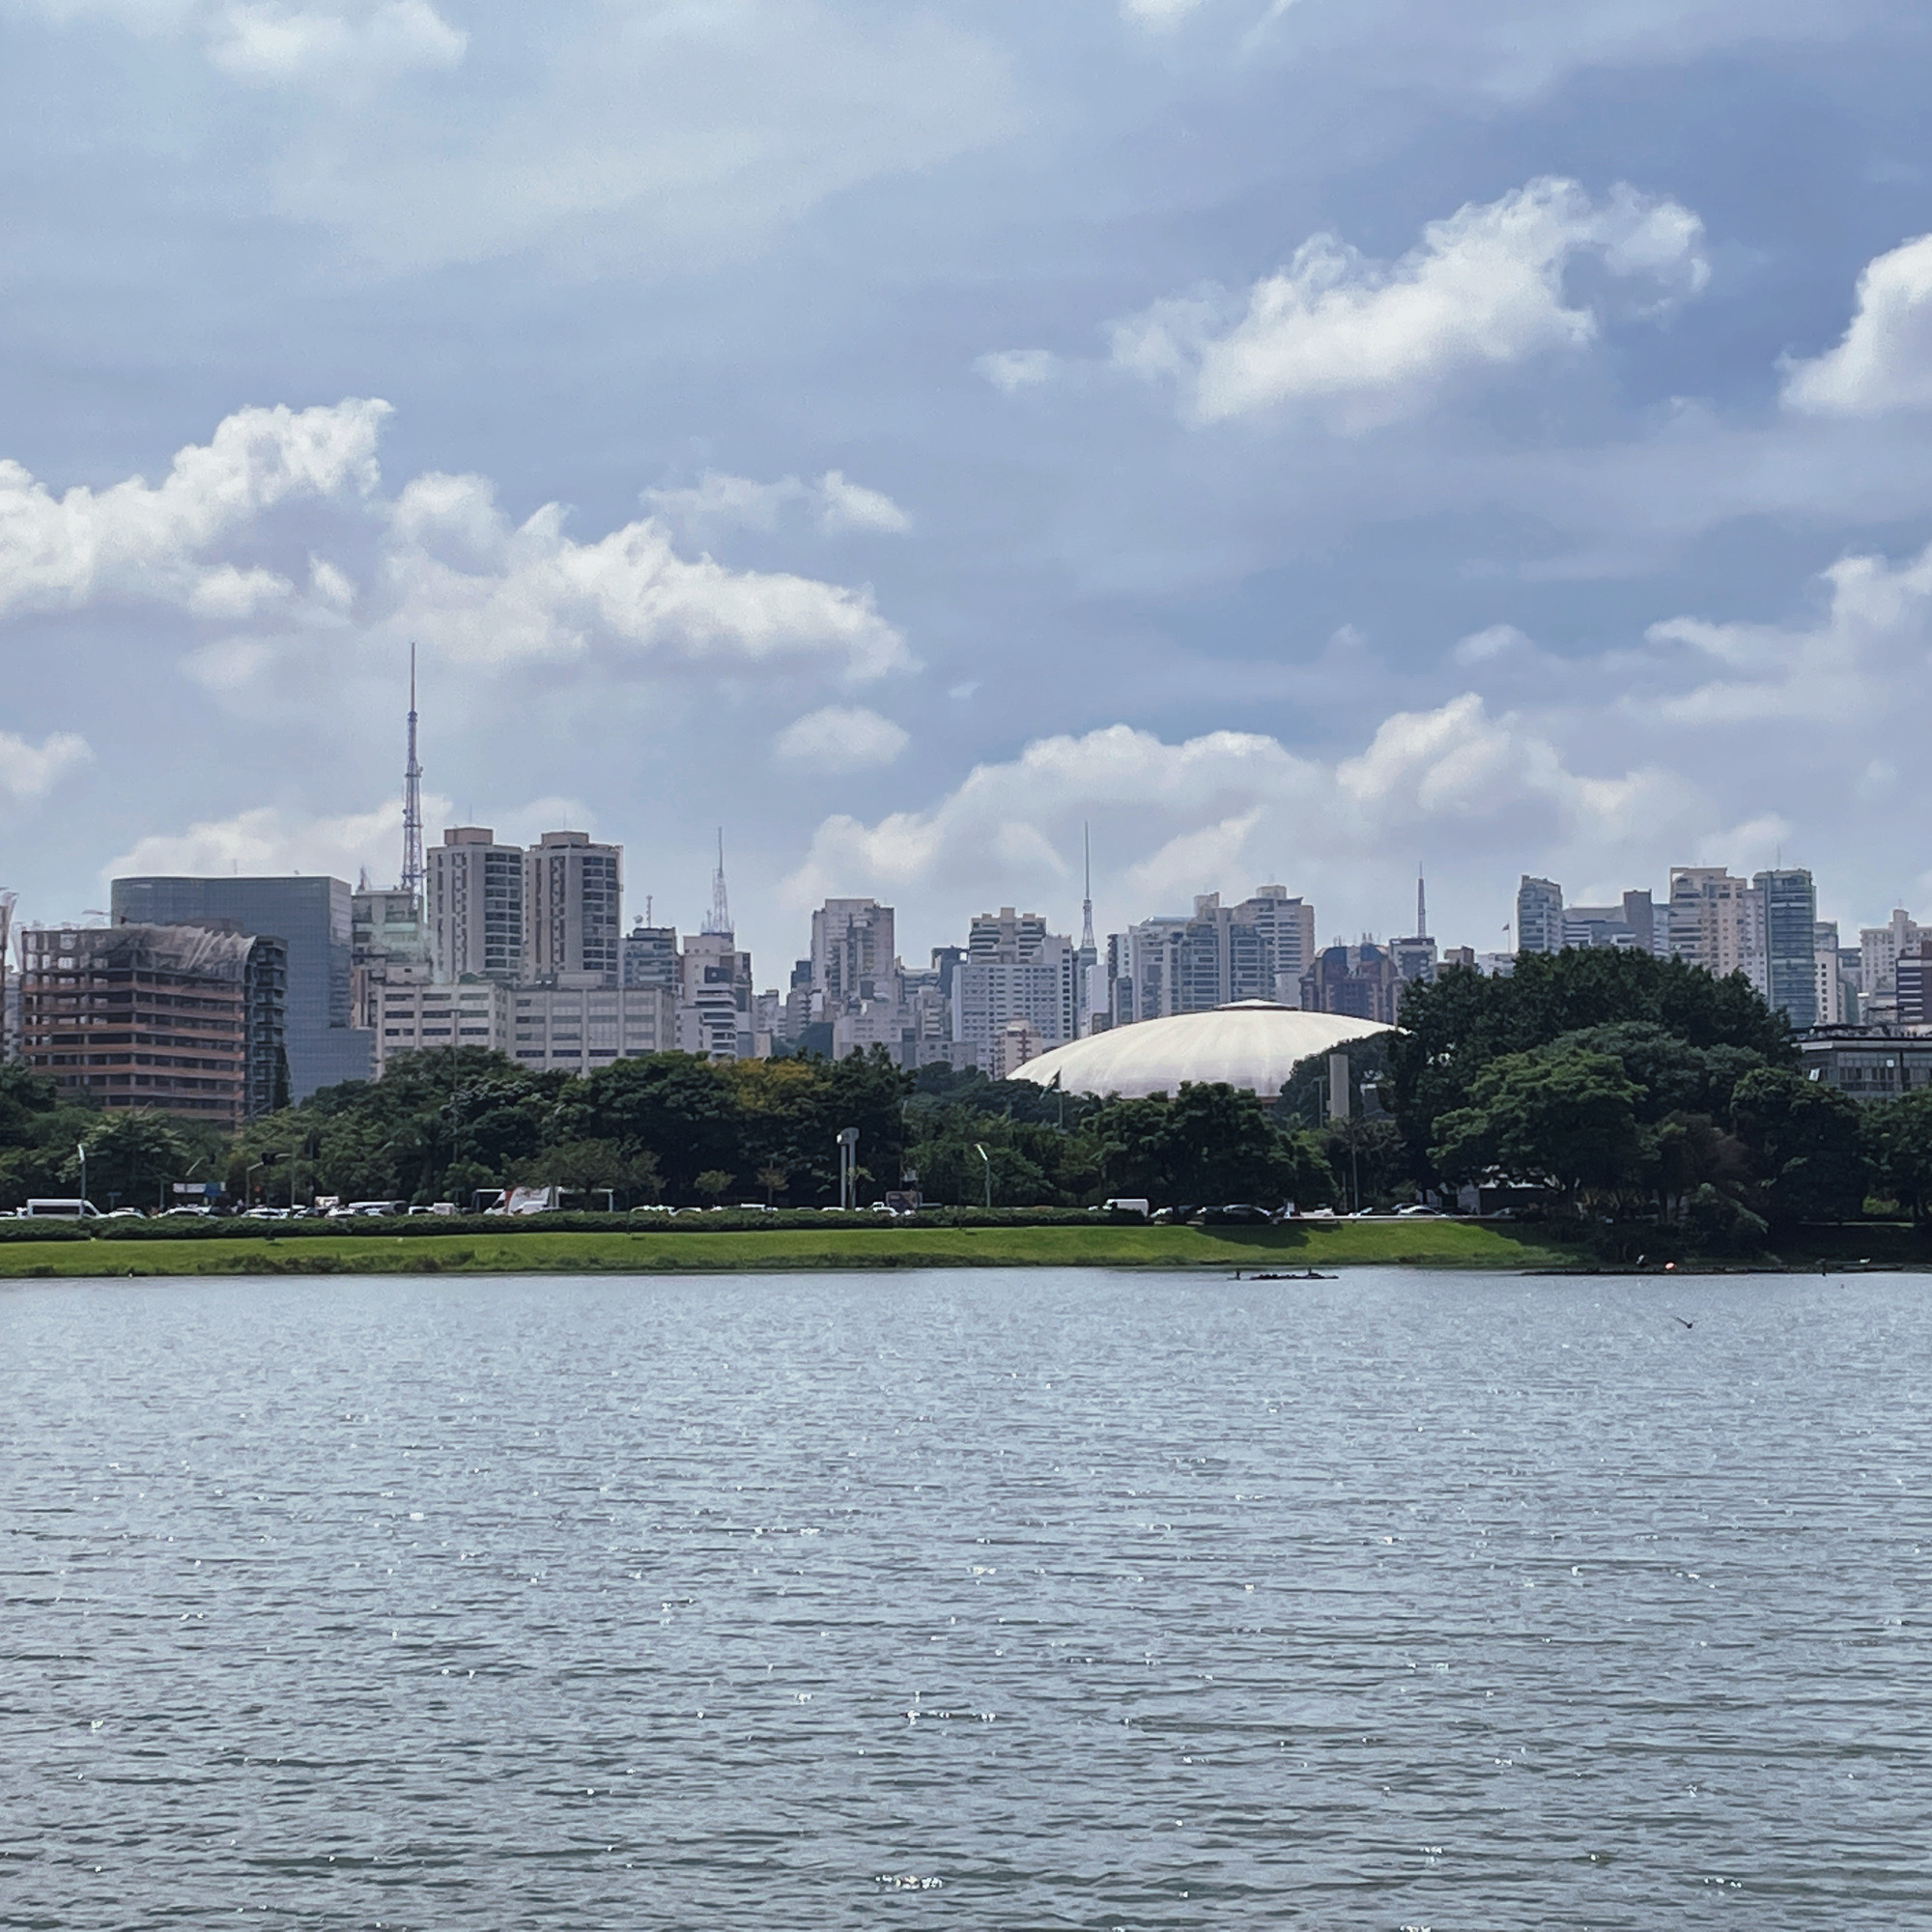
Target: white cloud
x: 720, y: 501
x: 139, y: 541
x: 266, y: 839
x: 1222, y: 810
x: 1867, y: 659
x: 441, y: 563
x: 1158, y: 13
x: 851, y: 506
x: 29, y: 772
x: 1364, y: 343
x: 1012, y: 369
x: 268, y: 42
x: 841, y: 739
x: 1885, y: 361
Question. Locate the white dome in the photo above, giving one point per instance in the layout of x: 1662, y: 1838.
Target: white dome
x: 1253, y: 1044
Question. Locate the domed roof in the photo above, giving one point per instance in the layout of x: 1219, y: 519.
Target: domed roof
x: 1253, y: 1044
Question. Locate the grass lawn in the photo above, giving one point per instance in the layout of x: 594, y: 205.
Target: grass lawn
x: 1413, y: 1242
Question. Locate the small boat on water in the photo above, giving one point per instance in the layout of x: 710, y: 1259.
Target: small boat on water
x: 1309, y: 1275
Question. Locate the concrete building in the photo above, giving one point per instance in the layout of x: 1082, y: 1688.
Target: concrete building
x: 1538, y: 916
x: 1018, y: 1043
x: 312, y: 916
x: 1013, y: 969
x: 648, y: 957
x: 1630, y: 926
x: 1911, y: 985
x: 572, y: 902
x: 1361, y: 983
x: 582, y: 1028
x: 476, y: 910
x: 1787, y: 908
x: 389, y: 943
x: 714, y: 998
x: 1716, y: 921
x: 854, y: 956
x: 1836, y: 1000
x: 415, y: 1016
x: 1880, y: 948
x: 139, y: 1015
x: 1258, y: 949
x: 1868, y: 1062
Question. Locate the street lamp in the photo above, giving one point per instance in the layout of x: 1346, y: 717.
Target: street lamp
x: 80, y: 1147
x: 848, y: 1166
x: 986, y: 1161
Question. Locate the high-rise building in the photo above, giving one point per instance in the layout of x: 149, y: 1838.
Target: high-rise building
x: 714, y: 998
x: 1013, y: 969
x: 1538, y: 916
x: 648, y: 957
x: 853, y: 954
x: 1838, y: 1003
x: 1911, y: 985
x: 389, y: 945
x: 1880, y: 949
x: 164, y: 1016
x: 1787, y: 904
x: 1362, y: 981
x: 1716, y: 921
x: 1258, y: 949
x: 477, y: 905
x: 312, y: 917
x: 573, y: 893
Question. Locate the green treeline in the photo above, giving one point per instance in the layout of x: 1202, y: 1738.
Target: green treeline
x: 1612, y: 1085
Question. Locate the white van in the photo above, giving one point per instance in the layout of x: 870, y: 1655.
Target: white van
x: 61, y: 1210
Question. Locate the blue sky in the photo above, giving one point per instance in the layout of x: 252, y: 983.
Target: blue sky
x: 1306, y: 440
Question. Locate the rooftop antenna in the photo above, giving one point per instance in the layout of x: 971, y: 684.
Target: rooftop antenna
x: 720, y: 919
x: 1087, y: 903
x: 1421, y: 907
x: 412, y: 804
x: 647, y: 909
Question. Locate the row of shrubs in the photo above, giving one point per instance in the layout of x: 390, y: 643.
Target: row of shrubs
x: 725, y: 1221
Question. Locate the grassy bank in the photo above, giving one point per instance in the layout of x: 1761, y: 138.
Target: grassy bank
x: 1415, y: 1243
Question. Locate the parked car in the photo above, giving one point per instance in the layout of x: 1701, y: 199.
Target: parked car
x: 124, y: 1215
x: 49, y: 1209
x: 188, y: 1215
x: 1422, y: 1211
x: 1236, y: 1214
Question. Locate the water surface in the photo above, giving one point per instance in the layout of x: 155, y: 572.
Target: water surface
x: 1000, y: 1600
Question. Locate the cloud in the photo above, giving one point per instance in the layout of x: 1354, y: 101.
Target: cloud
x: 1009, y: 369
x: 720, y: 501
x: 1158, y: 12
x: 29, y: 772
x: 267, y: 839
x: 838, y: 739
x: 1885, y: 361
x: 1867, y: 659
x: 1229, y: 808
x: 1363, y: 343
x: 440, y: 564
x: 851, y: 506
x: 141, y: 542
x: 268, y: 43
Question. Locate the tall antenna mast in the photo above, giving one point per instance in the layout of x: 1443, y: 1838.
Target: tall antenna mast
x: 720, y: 919
x: 1087, y: 903
x: 1421, y: 907
x: 412, y: 804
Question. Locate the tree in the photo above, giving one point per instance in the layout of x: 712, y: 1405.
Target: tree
x: 1208, y: 1144
x: 132, y: 1153
x: 1806, y: 1148
x: 1555, y: 1115
x: 1897, y: 1139
x: 772, y: 1180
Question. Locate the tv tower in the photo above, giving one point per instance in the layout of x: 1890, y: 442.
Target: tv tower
x: 720, y: 916
x: 412, y: 804
x: 1087, y: 944
x: 1421, y: 907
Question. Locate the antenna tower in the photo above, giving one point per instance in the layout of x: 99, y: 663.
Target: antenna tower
x: 1421, y: 907
x: 1087, y: 903
x: 720, y: 918
x: 412, y: 804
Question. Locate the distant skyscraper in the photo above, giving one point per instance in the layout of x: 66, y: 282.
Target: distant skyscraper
x: 477, y: 905
x: 573, y: 893
x: 1716, y: 921
x: 312, y: 916
x: 1788, y: 905
x: 853, y: 954
x: 1538, y: 916
x: 1013, y: 970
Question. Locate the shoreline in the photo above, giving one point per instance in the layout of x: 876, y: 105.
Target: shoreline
x: 1451, y: 1245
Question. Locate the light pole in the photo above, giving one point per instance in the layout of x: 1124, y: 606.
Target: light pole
x: 80, y: 1147
x: 848, y: 1166
x: 986, y: 1161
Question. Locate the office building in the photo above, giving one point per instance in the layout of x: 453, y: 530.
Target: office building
x: 853, y: 954
x: 579, y: 1029
x: 714, y: 998
x: 164, y: 1016
x: 1631, y: 926
x: 1911, y: 985
x: 389, y: 944
x: 415, y: 1016
x: 1880, y: 949
x: 648, y: 957
x: 1716, y: 921
x: 573, y: 893
x: 1538, y: 916
x: 1258, y: 949
x: 1787, y: 907
x: 1361, y: 983
x: 312, y: 917
x: 1877, y: 1063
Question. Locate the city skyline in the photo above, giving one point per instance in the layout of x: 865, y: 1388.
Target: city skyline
x: 1301, y: 441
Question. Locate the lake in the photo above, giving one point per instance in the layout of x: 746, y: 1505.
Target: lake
x: 1000, y: 1600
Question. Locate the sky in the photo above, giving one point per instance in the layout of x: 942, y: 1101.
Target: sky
x: 1308, y: 442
